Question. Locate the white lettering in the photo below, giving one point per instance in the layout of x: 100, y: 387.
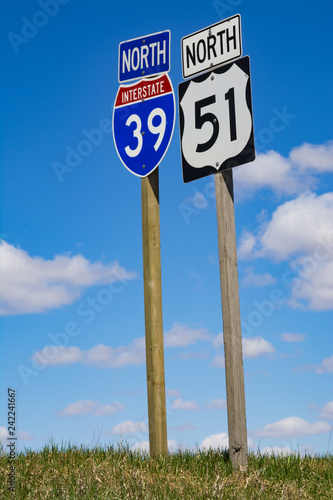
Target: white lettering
x: 127, y: 61
x: 160, y: 52
x: 144, y: 56
x: 137, y: 53
x: 153, y: 45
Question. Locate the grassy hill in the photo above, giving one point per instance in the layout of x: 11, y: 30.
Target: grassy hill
x: 107, y: 473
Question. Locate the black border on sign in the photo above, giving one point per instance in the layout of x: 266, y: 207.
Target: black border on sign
x: 247, y: 155
x: 208, y: 28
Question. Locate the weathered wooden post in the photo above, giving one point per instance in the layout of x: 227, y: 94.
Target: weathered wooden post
x: 232, y: 334
x: 153, y: 314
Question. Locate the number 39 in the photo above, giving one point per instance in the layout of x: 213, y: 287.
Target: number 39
x: 159, y: 129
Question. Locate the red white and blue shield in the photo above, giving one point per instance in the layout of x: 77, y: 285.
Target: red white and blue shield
x: 143, y: 123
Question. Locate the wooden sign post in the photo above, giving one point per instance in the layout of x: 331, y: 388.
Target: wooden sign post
x: 141, y: 143
x: 153, y: 314
x: 232, y: 334
x: 221, y: 97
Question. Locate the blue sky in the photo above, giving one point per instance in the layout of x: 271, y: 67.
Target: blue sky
x: 72, y: 327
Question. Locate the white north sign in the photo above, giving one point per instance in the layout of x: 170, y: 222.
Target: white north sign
x: 210, y: 47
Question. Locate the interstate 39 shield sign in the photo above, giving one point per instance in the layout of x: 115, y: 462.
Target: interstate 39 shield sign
x: 143, y: 123
x: 215, y: 118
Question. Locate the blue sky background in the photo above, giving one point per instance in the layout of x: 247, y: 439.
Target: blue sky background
x: 71, y: 293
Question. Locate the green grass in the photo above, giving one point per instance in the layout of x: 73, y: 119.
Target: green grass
x: 107, y: 473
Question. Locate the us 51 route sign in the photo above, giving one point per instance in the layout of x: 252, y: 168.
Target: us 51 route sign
x: 143, y: 123
x: 215, y: 117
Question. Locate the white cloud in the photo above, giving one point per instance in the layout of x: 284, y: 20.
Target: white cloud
x: 183, y: 335
x: 293, y: 427
x: 315, y: 157
x: 300, y: 230
x: 143, y: 446
x: 24, y: 436
x: 285, y: 176
x: 34, y: 284
x: 21, y: 435
x: 276, y: 450
x: 107, y: 409
x: 129, y: 427
x: 84, y: 407
x: 326, y: 366
x: 246, y: 246
x: 173, y: 393
x: 173, y: 446
x: 217, y: 403
x: 327, y: 411
x: 215, y: 441
x: 313, y: 290
x: 218, y: 340
x: 3, y: 434
x: 81, y: 407
x: 179, y: 404
x: 303, y: 451
x: 269, y: 170
x: 57, y: 355
x: 285, y: 235
x: 292, y: 337
x: 253, y: 279
x: 104, y: 356
x: 218, y: 362
x: 219, y: 441
x: 253, y: 347
x: 101, y: 355
x: 298, y: 226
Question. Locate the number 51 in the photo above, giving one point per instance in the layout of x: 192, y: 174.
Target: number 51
x: 200, y: 119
